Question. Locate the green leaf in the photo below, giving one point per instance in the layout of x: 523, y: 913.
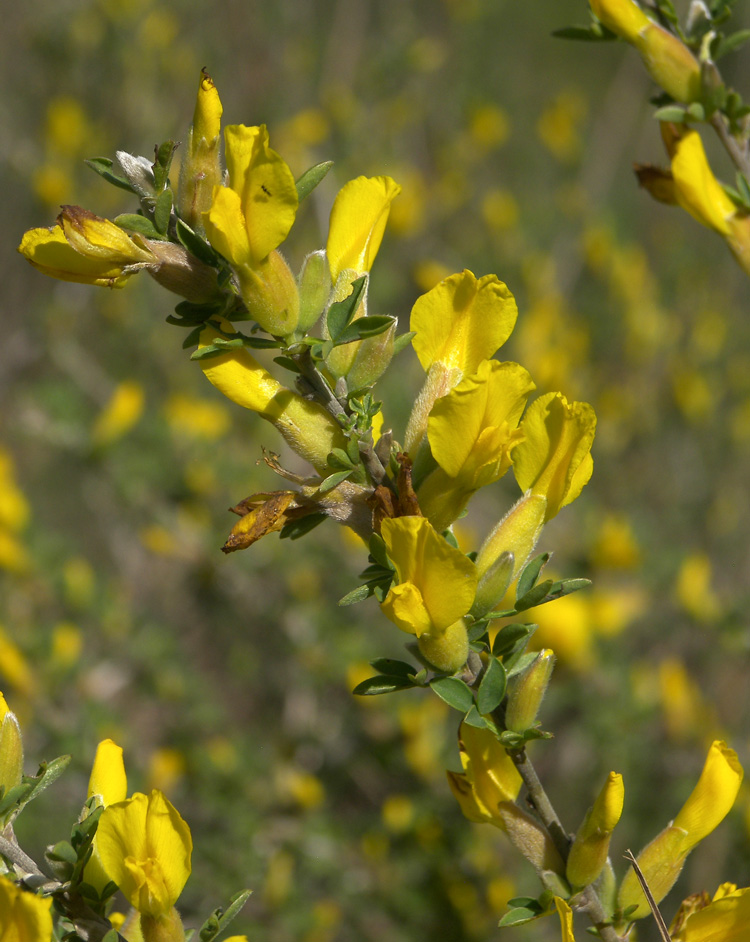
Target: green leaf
x: 217, y: 348
x: 296, y: 529
x: 594, y: 33
x: 133, y: 222
x: 235, y: 907
x: 102, y: 165
x: 375, y: 686
x: 393, y: 668
x: 455, y: 693
x: 112, y: 935
x: 492, y: 688
x: 518, y: 917
x: 519, y: 662
x: 474, y: 718
x: 534, y: 596
x: 674, y: 113
x: 340, y: 460
x: 333, y: 480
x: 340, y: 313
x: 191, y: 313
x: 48, y: 773
x: 477, y: 632
x: 195, y: 244
x: 510, y: 636
x: 163, y: 210
x: 311, y: 178
x: 730, y: 43
x: 744, y: 189
x: 364, y: 327
x: 63, y: 852
x: 359, y: 594
x: 530, y: 574
x: 696, y: 111
x: 162, y: 163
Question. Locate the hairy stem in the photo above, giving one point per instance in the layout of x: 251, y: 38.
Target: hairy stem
x: 588, y: 899
x: 732, y: 146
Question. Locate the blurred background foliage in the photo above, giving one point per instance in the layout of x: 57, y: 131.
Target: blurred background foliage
x: 227, y: 679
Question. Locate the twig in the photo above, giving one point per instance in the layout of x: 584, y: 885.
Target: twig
x: 731, y: 144
x: 661, y: 925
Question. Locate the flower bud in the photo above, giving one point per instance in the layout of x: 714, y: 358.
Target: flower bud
x: 529, y: 837
x: 11, y: 748
x: 588, y: 855
x: 493, y: 584
x: 270, y: 292
x: 372, y: 359
x: 314, y: 288
x: 517, y: 533
x: 446, y: 650
x: 526, y: 691
x: 201, y: 169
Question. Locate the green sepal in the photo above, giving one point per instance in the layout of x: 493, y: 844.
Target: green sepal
x: 195, y: 244
x: 102, y: 166
x: 382, y: 683
x: 455, y: 692
x: 134, y: 222
x: 492, y: 687
x: 340, y: 313
x: 307, y: 182
x: 296, y: 529
x: 163, y: 210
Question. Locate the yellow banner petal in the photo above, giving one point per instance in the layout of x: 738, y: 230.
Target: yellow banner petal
x: 108, y: 778
x: 208, y: 111
x: 358, y: 219
x: 225, y: 226
x: 726, y: 919
x: 462, y: 321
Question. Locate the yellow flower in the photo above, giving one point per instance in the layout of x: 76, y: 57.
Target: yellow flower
x: 145, y: 847
x: 309, y: 430
x: 458, y: 323
x: 725, y: 919
x: 120, y: 414
x: 358, y: 219
x: 489, y: 775
x: 710, y: 801
x: 249, y: 219
x: 668, y: 60
x: 85, y: 248
x: 24, y: 916
x: 435, y: 586
x: 566, y: 919
x: 555, y: 457
x: 471, y: 432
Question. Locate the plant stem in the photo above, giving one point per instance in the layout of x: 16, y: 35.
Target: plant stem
x: 731, y: 144
x: 588, y: 898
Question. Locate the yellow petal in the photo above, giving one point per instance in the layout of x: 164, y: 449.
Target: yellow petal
x: 445, y: 579
x: 713, y: 796
x: 208, y: 110
x: 566, y: 919
x: 145, y: 847
x: 726, y: 919
x: 554, y: 459
x: 466, y: 797
x: 225, y: 226
x: 462, y: 321
x: 108, y: 777
x: 405, y: 607
x: 696, y: 188
x: 24, y: 916
x: 358, y: 219
x: 489, y: 768
x: 310, y: 431
x: 265, y: 185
